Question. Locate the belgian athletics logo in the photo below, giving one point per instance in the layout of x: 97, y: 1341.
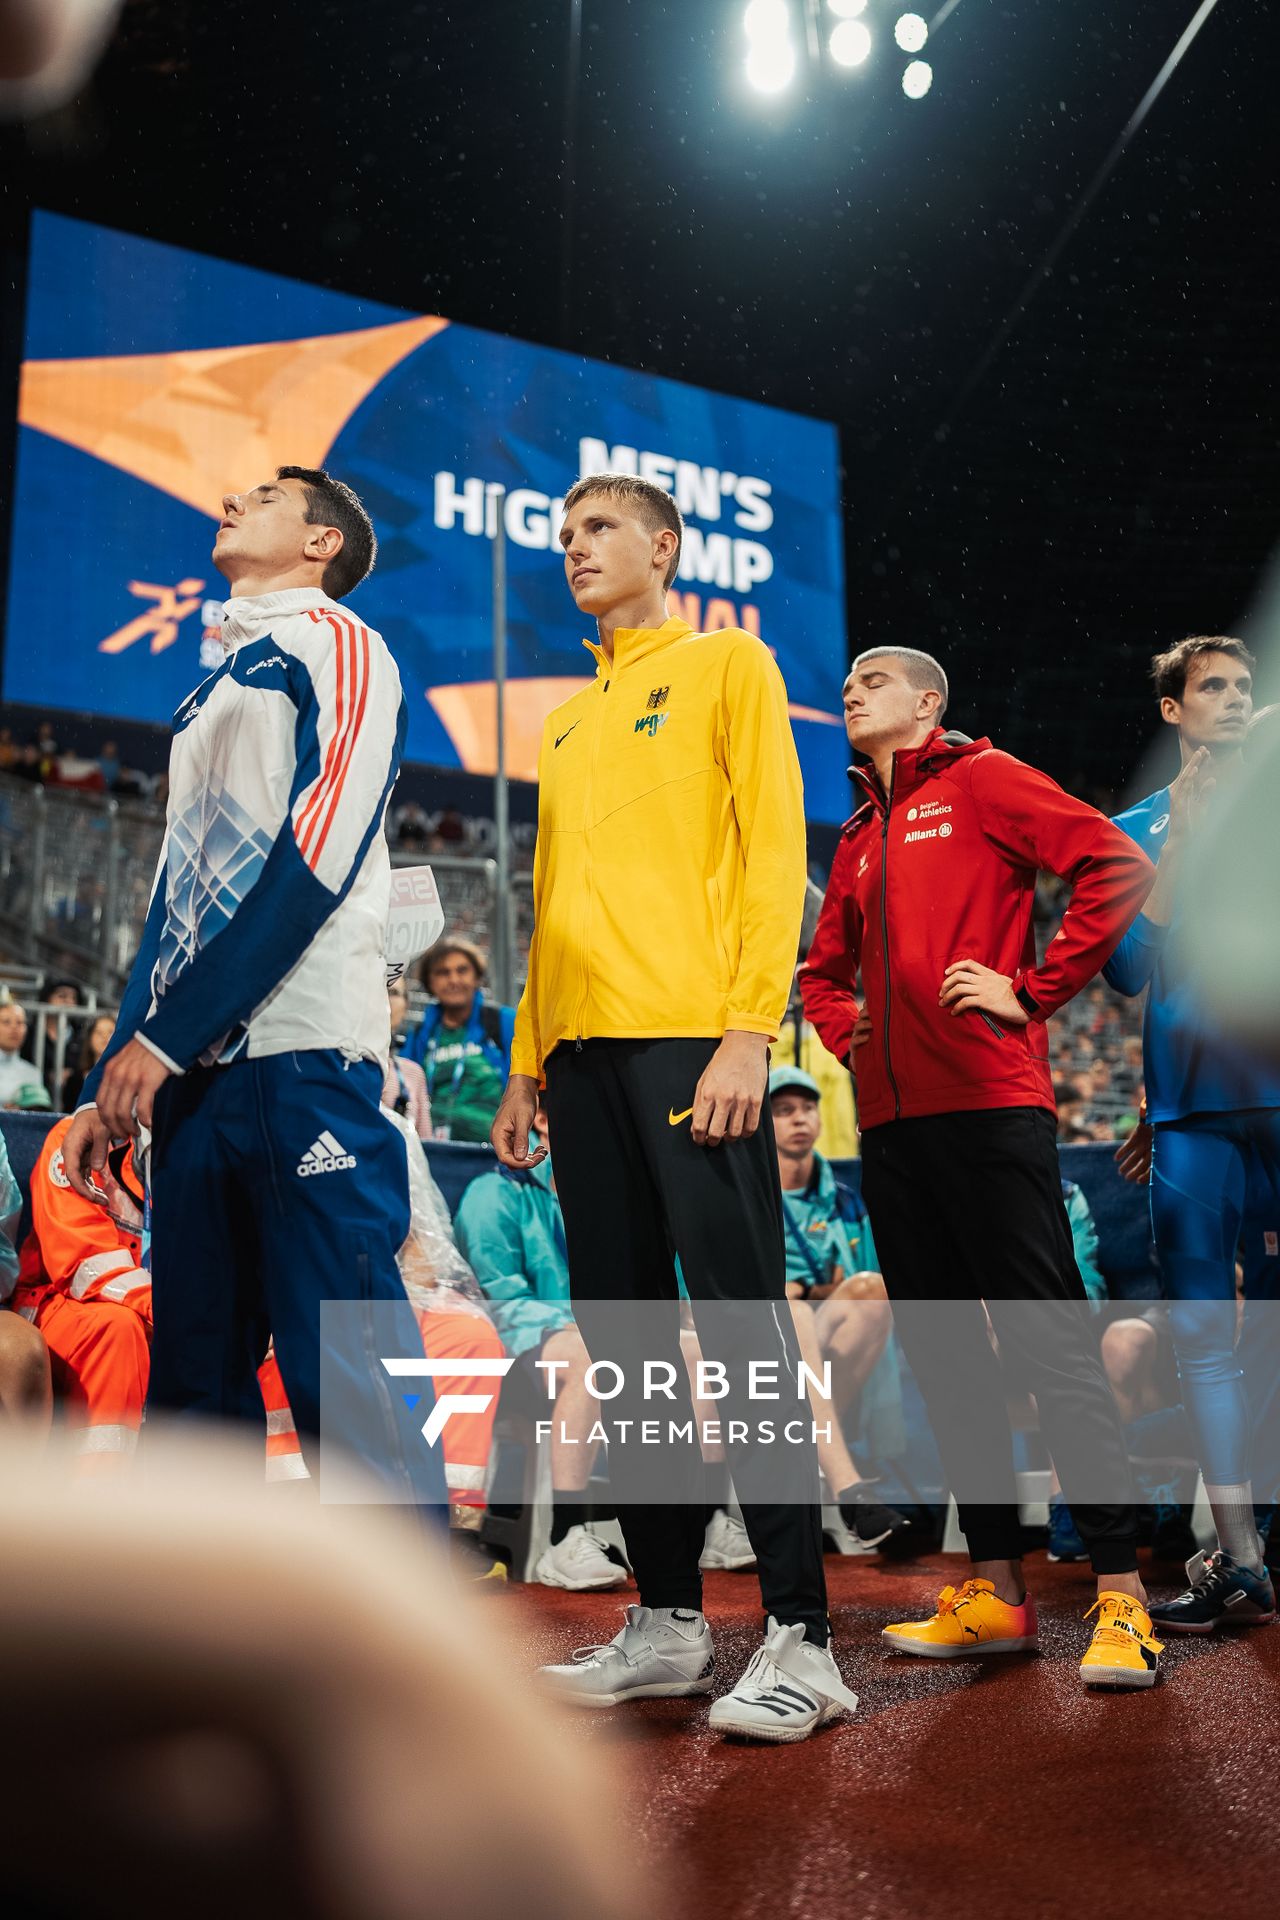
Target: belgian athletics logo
x: 448, y: 1403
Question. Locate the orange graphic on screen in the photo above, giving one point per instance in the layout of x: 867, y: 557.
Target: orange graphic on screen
x: 159, y: 623
x: 202, y: 422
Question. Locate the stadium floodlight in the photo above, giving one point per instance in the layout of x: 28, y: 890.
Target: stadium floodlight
x: 917, y: 79
x: 848, y: 9
x: 771, y: 65
x: 767, y: 22
x: 771, y: 61
x: 911, y: 32
x: 850, y: 43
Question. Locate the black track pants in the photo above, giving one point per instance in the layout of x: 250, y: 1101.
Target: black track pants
x: 968, y: 1207
x: 636, y: 1190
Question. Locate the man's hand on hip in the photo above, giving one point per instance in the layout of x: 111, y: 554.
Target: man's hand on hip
x: 968, y: 987
x: 731, y: 1091
x: 509, y: 1134
x: 129, y: 1085
x: 84, y: 1151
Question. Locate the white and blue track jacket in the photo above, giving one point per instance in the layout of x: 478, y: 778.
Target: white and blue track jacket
x: 267, y: 922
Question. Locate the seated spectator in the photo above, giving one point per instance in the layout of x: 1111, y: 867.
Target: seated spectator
x: 405, y: 1087
x: 837, y: 1299
x: 60, y: 993
x: 109, y: 764
x: 510, y: 1228
x: 8, y: 750
x: 97, y: 1038
x: 464, y: 1043
x: 81, y: 1282
x: 25, y: 1392
x: 20, y: 1084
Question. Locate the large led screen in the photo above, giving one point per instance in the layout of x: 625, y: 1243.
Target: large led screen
x: 154, y: 380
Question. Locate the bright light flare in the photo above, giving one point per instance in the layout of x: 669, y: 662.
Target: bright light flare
x: 917, y: 79
x: 767, y: 22
x: 911, y: 32
x: 850, y: 43
x: 848, y: 9
x: 771, y: 65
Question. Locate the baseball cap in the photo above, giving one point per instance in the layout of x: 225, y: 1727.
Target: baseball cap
x: 793, y: 1080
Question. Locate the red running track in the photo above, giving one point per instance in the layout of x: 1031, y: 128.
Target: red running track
x: 960, y: 1788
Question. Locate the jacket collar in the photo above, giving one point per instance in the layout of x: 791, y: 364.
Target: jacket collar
x: 251, y: 616
x: 634, y: 643
x: 913, y: 764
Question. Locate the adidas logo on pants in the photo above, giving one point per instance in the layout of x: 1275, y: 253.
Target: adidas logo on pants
x: 325, y: 1155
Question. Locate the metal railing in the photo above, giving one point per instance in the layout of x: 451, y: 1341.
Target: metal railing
x: 76, y: 871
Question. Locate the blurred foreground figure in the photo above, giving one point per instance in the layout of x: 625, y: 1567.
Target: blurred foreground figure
x: 47, y: 48
x: 301, y: 1718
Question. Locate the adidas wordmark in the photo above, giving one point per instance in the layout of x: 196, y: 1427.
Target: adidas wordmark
x: 325, y: 1156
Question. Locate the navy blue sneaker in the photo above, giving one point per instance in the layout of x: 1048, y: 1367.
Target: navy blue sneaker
x: 1064, y: 1542
x: 1222, y: 1594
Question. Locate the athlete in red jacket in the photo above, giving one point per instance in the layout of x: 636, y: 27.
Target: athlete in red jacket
x: 930, y: 899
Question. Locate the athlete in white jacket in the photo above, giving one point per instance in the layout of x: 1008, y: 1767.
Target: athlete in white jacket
x: 254, y: 1030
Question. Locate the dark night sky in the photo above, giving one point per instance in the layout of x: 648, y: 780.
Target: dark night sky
x: 1110, y: 483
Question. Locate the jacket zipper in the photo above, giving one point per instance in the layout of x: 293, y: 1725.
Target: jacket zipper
x: 586, y: 835
x: 884, y: 935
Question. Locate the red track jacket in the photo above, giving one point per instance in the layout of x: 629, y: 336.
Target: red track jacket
x: 945, y: 870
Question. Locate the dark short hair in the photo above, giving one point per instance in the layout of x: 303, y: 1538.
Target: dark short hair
x: 655, y: 508
x: 441, y: 951
x: 332, y: 503
x: 1169, y: 669
x: 923, y: 672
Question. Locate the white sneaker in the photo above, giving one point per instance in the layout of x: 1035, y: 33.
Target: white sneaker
x: 653, y: 1658
x: 578, y: 1561
x: 790, y: 1687
x: 727, y: 1546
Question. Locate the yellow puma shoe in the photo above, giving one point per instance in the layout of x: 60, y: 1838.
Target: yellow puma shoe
x: 1123, y: 1652
x: 970, y: 1619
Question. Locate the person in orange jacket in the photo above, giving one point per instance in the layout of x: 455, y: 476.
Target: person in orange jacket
x: 83, y: 1284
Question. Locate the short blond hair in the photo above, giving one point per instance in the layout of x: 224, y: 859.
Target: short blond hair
x: 655, y: 507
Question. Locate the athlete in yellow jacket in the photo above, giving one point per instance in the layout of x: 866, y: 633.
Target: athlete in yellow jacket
x: 668, y: 889
x: 670, y: 868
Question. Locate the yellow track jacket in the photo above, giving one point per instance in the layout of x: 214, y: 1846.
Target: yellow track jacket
x: 669, y: 875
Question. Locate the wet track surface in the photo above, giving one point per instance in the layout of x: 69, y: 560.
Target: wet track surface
x: 959, y: 1787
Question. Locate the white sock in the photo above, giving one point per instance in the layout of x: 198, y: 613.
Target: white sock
x: 1233, y: 1517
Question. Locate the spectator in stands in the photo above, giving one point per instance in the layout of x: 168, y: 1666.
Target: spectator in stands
x: 405, y: 1087
x: 96, y: 1039
x: 410, y: 826
x: 109, y: 764
x: 8, y: 750
x: 464, y: 1043
x: 25, y: 1392
x: 20, y: 1084
x: 838, y: 1302
x: 27, y: 766
x: 60, y: 993
x: 510, y: 1229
